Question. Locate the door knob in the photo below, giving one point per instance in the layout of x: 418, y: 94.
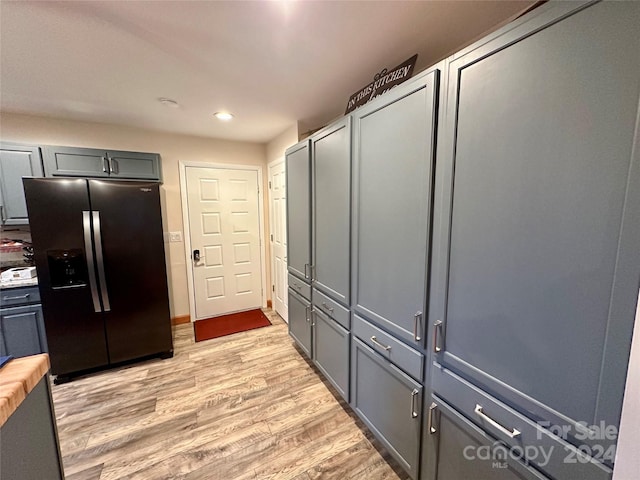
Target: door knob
x: 196, y: 255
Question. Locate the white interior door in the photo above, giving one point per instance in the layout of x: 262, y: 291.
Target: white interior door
x: 224, y: 226
x: 277, y: 212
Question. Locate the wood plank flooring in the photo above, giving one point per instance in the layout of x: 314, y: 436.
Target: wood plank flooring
x: 245, y: 406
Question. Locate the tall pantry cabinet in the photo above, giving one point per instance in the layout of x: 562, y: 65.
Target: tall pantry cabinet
x: 536, y: 242
x: 318, y: 207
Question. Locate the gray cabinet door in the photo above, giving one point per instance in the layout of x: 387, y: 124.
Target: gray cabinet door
x: 92, y: 162
x: 134, y: 165
x: 389, y: 402
x: 458, y: 450
x: 300, y: 321
x: 22, y: 330
x: 298, y: 165
x: 393, y: 164
x: 16, y: 161
x: 75, y: 162
x: 331, y: 159
x: 331, y: 352
x: 536, y: 260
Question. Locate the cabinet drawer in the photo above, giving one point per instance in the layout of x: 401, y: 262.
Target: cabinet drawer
x: 19, y: 296
x: 395, y: 351
x: 332, y: 308
x: 454, y: 449
x: 300, y: 287
x: 547, y: 452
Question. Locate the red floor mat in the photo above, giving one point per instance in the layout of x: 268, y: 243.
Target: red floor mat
x: 228, y: 324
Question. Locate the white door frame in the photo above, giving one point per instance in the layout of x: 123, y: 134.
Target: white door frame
x: 271, y: 218
x: 187, y: 231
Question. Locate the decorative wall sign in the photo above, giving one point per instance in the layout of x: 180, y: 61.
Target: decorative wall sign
x: 382, y: 82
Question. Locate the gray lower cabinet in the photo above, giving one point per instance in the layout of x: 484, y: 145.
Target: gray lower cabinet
x: 331, y: 207
x: 30, y: 449
x: 393, y: 171
x: 298, y: 166
x: 300, y: 321
x: 331, y: 351
x: 536, y: 260
x: 92, y: 162
x: 458, y: 450
x: 22, y: 331
x: 389, y: 402
x: 16, y: 161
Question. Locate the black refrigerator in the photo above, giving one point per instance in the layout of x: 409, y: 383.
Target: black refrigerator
x: 99, y: 252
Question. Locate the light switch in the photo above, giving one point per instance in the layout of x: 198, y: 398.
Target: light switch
x: 175, y: 236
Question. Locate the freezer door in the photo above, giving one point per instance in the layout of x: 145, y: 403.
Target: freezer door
x: 131, y: 268
x: 61, y: 231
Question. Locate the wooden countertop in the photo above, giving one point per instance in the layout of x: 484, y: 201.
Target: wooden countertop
x: 17, y: 379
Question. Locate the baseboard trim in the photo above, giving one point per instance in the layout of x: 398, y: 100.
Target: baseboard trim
x: 179, y: 320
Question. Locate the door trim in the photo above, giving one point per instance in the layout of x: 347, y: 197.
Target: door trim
x: 272, y: 258
x: 187, y: 232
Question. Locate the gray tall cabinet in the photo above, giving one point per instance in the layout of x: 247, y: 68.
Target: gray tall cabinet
x: 536, y: 264
x: 318, y: 209
x: 493, y: 282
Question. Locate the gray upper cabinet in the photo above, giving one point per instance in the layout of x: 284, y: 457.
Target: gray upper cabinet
x: 91, y: 162
x: 16, y: 161
x: 298, y: 165
x: 393, y: 168
x: 331, y: 160
x: 536, y: 260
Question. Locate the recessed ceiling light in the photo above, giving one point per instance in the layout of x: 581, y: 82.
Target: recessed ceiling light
x: 167, y: 102
x: 224, y: 116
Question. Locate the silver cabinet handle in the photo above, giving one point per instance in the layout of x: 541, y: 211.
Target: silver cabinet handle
x: 88, y: 251
x: 97, y: 239
x: 295, y: 285
x: 105, y: 167
x: 414, y: 394
x: 19, y: 297
x: 386, y: 348
x: 307, y: 314
x: 327, y: 307
x: 432, y: 408
x: 306, y: 266
x: 437, y: 325
x: 513, y: 433
x: 110, y: 162
x: 416, y: 319
x: 2, y: 214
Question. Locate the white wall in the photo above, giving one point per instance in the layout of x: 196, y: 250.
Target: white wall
x: 172, y: 148
x: 628, y: 453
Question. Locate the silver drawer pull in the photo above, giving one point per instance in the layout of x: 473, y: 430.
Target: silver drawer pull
x: 432, y: 408
x: 436, y: 326
x: 327, y: 307
x: 295, y: 285
x: 20, y: 297
x: 414, y: 394
x: 416, y: 319
x: 385, y: 347
x: 509, y: 433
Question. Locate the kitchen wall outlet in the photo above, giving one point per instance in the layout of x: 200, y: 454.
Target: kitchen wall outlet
x: 175, y: 236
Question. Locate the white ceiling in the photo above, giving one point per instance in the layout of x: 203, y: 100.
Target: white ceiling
x: 271, y: 63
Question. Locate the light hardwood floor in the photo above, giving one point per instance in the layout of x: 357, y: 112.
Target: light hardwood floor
x: 245, y: 406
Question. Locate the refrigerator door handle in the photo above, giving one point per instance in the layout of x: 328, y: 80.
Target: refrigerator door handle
x: 88, y: 251
x: 97, y: 239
